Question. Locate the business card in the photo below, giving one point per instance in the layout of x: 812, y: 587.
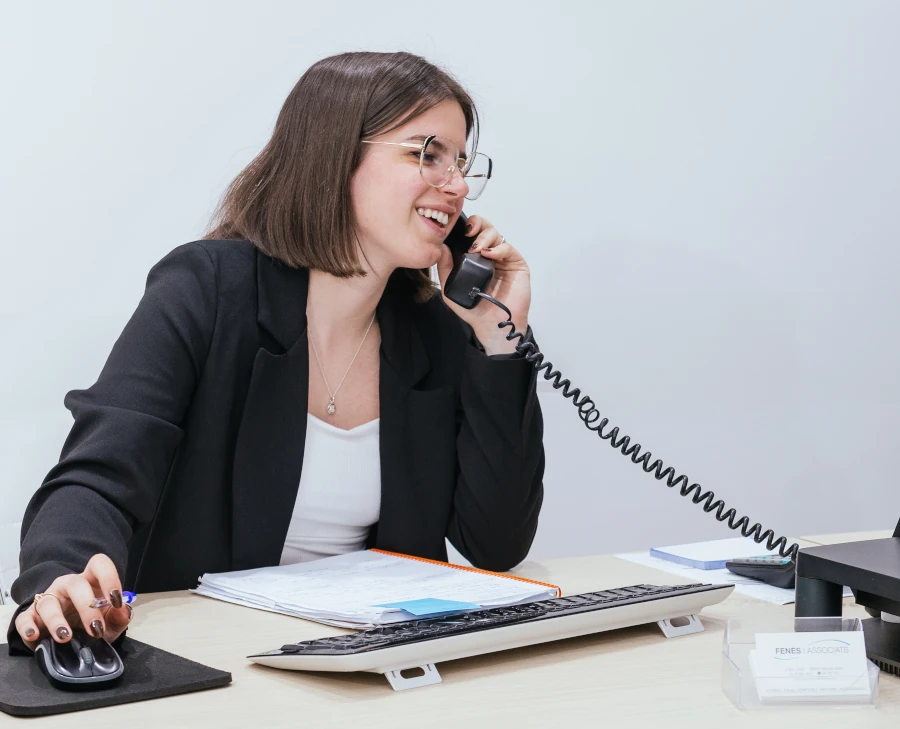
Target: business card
x: 791, y: 665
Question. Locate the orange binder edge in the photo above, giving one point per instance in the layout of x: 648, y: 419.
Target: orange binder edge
x: 469, y: 569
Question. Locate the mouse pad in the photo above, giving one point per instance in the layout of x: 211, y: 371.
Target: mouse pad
x: 150, y: 673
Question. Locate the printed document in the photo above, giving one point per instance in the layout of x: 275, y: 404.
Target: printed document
x: 352, y: 590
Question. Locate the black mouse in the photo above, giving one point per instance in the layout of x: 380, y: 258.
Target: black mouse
x: 82, y: 662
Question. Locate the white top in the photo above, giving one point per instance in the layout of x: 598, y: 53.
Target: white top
x: 340, y: 492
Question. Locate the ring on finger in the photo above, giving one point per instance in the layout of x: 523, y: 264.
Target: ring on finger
x: 502, y: 238
x: 41, y: 595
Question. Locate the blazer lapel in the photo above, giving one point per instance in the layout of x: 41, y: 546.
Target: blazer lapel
x: 268, y: 457
x: 404, y: 363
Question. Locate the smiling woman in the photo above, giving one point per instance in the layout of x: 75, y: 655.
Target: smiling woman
x: 209, y: 443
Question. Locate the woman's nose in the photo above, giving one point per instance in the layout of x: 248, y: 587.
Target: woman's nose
x: 457, y: 186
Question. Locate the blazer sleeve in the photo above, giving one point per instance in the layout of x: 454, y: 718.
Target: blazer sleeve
x: 500, y: 450
x: 117, y: 456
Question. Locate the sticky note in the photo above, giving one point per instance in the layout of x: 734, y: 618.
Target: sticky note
x: 431, y: 606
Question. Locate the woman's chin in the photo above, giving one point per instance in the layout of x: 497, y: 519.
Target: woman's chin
x: 423, y: 259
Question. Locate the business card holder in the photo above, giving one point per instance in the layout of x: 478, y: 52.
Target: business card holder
x: 750, y: 691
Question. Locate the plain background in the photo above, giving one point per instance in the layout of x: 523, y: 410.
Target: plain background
x: 706, y: 193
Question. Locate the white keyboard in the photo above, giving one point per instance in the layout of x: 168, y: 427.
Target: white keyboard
x: 421, y: 643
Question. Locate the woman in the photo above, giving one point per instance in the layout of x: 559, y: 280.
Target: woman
x: 292, y: 386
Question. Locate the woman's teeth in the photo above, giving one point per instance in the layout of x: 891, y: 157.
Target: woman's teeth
x: 436, y: 215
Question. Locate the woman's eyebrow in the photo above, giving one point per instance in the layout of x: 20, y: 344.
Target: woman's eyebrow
x: 423, y: 137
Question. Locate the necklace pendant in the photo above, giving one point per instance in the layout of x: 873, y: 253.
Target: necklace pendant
x: 331, y: 408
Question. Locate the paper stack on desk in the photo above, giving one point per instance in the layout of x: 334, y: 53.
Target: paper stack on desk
x: 365, y: 589
x: 699, y: 562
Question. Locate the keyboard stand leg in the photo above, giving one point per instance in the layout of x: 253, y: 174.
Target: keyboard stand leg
x: 400, y: 683
x: 673, y: 627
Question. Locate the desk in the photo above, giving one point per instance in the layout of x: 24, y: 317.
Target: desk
x: 634, y: 676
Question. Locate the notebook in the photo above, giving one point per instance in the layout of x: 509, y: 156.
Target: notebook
x: 370, y: 588
x: 711, y: 555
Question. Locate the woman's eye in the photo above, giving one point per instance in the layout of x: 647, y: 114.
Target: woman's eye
x: 428, y: 159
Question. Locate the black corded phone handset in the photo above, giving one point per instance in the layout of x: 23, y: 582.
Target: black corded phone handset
x: 466, y: 286
x: 470, y: 271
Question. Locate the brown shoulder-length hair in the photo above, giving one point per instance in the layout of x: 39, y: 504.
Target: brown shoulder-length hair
x: 293, y: 200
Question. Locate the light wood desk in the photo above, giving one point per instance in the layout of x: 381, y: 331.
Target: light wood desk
x: 635, y: 676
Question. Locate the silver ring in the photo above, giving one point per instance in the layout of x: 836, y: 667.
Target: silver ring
x: 502, y: 238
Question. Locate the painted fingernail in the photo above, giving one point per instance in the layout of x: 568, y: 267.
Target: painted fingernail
x: 97, y: 628
x: 62, y: 633
x: 130, y: 612
x: 473, y: 246
x: 30, y: 632
x: 115, y: 598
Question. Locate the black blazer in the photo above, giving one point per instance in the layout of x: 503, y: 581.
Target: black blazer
x: 185, y: 455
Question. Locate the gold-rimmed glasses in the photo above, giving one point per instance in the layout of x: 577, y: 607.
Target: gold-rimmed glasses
x: 439, y: 158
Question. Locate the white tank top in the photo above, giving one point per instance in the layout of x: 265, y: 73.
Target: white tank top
x: 339, y: 497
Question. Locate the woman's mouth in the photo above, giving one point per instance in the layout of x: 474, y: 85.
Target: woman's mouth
x: 434, y: 219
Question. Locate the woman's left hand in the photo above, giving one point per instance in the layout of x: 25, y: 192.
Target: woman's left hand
x: 511, y: 285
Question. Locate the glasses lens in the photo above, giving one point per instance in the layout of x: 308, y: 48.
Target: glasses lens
x: 478, y: 174
x: 440, y: 158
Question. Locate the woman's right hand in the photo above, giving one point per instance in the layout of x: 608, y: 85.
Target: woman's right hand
x: 65, y: 605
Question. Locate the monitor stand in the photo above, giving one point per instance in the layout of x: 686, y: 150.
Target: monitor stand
x: 871, y: 569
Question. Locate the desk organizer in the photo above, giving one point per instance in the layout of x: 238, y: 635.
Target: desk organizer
x: 742, y: 687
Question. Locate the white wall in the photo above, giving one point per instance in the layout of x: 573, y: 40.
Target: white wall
x: 706, y: 193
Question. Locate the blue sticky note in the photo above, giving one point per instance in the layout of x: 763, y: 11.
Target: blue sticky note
x: 432, y: 606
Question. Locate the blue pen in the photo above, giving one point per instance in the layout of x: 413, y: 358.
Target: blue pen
x: 103, y: 602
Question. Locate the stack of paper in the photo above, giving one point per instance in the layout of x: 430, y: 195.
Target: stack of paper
x: 365, y: 589
x: 743, y: 585
x: 682, y: 559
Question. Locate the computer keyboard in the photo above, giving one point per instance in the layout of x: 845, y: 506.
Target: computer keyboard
x: 398, y: 646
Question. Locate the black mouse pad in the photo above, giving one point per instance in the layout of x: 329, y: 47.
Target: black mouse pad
x: 150, y: 673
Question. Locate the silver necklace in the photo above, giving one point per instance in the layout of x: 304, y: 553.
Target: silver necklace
x: 332, y: 408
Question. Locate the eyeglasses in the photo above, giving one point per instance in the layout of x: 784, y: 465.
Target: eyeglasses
x: 439, y: 158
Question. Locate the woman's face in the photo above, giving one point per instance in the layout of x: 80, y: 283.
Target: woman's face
x: 387, y: 193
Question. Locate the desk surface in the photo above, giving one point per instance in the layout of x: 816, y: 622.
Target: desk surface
x: 633, y: 675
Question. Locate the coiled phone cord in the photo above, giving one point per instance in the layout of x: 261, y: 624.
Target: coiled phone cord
x: 588, y: 412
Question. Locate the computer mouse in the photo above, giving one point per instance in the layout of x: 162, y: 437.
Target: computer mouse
x: 82, y: 662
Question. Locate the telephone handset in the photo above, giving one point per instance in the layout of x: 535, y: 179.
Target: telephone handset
x: 465, y: 286
x: 470, y: 272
